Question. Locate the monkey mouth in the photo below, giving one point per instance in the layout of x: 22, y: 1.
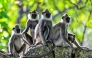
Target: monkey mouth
x: 48, y: 15
x: 34, y: 16
x: 18, y: 30
x: 67, y: 19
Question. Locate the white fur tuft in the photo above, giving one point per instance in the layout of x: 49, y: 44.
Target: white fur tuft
x: 29, y: 16
x: 44, y: 17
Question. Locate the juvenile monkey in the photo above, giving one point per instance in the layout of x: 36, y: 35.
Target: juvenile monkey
x: 42, y: 30
x: 59, y: 34
x: 31, y: 23
x: 16, y: 44
x: 71, y: 38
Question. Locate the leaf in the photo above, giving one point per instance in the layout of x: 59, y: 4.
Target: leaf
x: 4, y: 14
x: 4, y: 24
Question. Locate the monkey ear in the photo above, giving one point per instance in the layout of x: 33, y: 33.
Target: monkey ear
x: 65, y: 14
x: 62, y: 17
x: 43, y: 12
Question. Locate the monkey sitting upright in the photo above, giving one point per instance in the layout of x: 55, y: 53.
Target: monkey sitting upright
x: 42, y: 30
x: 31, y: 23
x: 59, y: 34
x: 16, y: 44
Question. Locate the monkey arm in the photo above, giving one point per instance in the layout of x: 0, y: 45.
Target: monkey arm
x: 28, y: 39
x: 10, y: 47
x: 49, y: 28
x: 50, y: 24
x: 10, y: 44
x: 27, y: 27
x: 64, y: 35
x: 66, y: 39
x: 41, y: 28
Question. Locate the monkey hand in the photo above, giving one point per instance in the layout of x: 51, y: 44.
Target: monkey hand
x: 48, y: 41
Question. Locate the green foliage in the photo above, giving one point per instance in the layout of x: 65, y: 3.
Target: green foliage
x: 79, y: 10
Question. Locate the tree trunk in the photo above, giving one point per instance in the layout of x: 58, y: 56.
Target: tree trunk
x: 46, y: 52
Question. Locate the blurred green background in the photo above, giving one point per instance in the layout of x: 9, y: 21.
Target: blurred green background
x: 15, y: 12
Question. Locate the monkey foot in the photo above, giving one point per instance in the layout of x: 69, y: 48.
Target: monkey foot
x: 15, y: 54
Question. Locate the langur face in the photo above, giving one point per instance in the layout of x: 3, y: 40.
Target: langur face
x: 66, y: 18
x: 33, y: 15
x: 46, y: 14
x: 16, y: 30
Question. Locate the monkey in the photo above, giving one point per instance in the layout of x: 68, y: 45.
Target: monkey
x: 71, y: 38
x: 16, y: 44
x: 59, y: 34
x: 42, y: 29
x: 31, y: 23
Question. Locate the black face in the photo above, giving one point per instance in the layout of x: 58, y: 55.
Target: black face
x: 34, y: 16
x: 48, y: 15
x: 18, y: 30
x: 68, y: 19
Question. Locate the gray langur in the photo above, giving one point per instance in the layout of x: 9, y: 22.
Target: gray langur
x: 31, y: 23
x: 42, y: 30
x: 16, y: 44
x: 59, y: 33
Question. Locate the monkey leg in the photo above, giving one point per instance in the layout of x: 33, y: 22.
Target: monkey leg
x: 29, y: 39
x: 23, y: 48
x: 38, y: 41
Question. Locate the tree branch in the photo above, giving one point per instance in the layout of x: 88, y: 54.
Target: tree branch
x: 85, y: 27
x: 76, y: 5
